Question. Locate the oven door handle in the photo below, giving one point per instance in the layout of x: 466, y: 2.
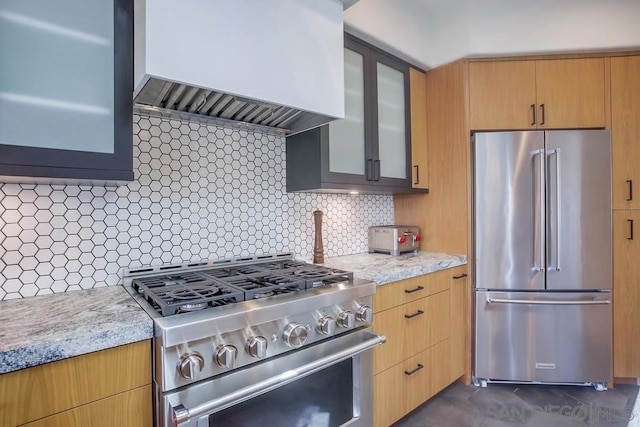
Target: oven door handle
x: 182, y: 415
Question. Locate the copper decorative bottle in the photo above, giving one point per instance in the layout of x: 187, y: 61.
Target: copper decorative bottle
x: 318, y: 249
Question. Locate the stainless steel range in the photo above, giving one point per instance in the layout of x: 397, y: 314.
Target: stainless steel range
x: 264, y: 340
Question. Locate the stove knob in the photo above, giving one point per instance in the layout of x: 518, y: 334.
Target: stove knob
x: 226, y: 356
x: 295, y: 335
x: 190, y: 365
x: 326, y: 325
x: 257, y: 347
x: 364, y: 314
x: 347, y: 319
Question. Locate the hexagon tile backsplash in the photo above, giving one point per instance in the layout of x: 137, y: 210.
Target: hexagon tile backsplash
x: 201, y: 192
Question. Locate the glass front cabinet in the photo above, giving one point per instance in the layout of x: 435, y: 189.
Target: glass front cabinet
x: 369, y: 150
x: 66, y: 82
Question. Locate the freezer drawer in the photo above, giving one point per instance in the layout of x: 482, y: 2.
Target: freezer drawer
x: 543, y: 337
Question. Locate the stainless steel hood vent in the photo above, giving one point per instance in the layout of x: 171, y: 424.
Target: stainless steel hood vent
x: 168, y: 97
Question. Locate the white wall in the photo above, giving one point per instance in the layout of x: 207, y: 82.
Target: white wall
x: 430, y: 33
x: 503, y: 27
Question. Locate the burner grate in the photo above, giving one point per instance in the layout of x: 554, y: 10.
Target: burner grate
x: 185, y: 292
x: 264, y: 284
x: 281, y: 265
x: 316, y: 275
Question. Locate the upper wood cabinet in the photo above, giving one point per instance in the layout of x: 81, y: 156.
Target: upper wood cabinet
x: 502, y: 95
x: 419, y: 165
x: 625, y: 131
x: 543, y: 94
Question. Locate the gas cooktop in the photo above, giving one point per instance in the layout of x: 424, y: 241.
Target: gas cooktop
x: 201, y: 286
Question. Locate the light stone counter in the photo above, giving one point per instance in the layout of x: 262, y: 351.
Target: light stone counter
x: 47, y: 328
x: 383, y: 269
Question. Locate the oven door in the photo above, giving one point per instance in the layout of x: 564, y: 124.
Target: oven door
x: 327, y: 384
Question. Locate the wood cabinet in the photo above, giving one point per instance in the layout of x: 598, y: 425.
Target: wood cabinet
x: 542, y: 94
x: 459, y: 321
x: 368, y: 151
x: 68, y: 120
x: 442, y: 215
x: 626, y: 294
x: 419, y: 156
x: 625, y: 131
x: 625, y: 138
x: 405, y: 386
x: 420, y: 320
x: 82, y: 389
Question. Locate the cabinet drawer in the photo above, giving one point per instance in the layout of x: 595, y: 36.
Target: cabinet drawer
x: 129, y: 409
x: 403, y: 291
x: 410, y: 328
x: 402, y: 388
x: 33, y: 393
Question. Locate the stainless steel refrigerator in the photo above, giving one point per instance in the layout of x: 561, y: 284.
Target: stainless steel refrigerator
x: 542, y: 257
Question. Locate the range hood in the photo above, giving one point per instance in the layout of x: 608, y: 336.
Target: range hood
x: 277, y: 64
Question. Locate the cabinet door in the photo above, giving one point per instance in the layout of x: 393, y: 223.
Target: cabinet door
x: 129, y: 409
x: 570, y: 93
x: 626, y: 294
x: 502, y: 95
x: 391, y: 122
x: 347, y: 137
x: 625, y: 131
x: 66, y: 80
x: 459, y: 307
x: 419, y: 167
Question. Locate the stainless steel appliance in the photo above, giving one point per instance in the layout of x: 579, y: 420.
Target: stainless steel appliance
x: 394, y: 239
x: 543, y: 257
x: 262, y: 340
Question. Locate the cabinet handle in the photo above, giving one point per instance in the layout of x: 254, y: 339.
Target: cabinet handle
x: 413, y: 371
x: 542, y: 114
x: 460, y: 276
x: 417, y: 167
x: 376, y: 170
x: 411, y: 316
x: 630, y: 236
x: 533, y: 114
x: 416, y: 289
x: 369, y: 169
x: 630, y: 185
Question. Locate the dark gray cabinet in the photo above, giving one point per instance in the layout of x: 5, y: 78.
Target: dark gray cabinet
x: 369, y: 151
x: 66, y: 83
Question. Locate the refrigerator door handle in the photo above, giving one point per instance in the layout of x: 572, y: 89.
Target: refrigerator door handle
x: 538, y: 195
x: 538, y: 302
x: 557, y: 197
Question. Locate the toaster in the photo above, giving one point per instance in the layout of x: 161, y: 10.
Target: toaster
x: 394, y: 239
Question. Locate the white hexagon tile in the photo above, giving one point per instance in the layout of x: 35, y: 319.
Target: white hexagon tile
x: 201, y: 192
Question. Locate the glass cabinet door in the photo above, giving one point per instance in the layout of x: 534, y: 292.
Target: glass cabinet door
x: 347, y: 136
x: 392, y: 131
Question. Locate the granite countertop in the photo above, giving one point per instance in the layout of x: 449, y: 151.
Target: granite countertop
x: 382, y: 268
x: 47, y: 328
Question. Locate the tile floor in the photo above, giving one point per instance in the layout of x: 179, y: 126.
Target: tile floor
x: 501, y: 405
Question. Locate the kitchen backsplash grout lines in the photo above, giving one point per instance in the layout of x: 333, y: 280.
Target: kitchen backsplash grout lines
x: 201, y: 192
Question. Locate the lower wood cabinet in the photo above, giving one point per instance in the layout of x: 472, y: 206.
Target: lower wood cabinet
x: 626, y: 294
x: 105, y: 388
x: 129, y: 409
x: 405, y: 386
x: 425, y: 321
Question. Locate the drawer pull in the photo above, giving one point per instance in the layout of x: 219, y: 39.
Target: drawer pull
x: 413, y: 371
x: 630, y: 186
x: 460, y: 276
x: 410, y: 316
x: 416, y: 289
